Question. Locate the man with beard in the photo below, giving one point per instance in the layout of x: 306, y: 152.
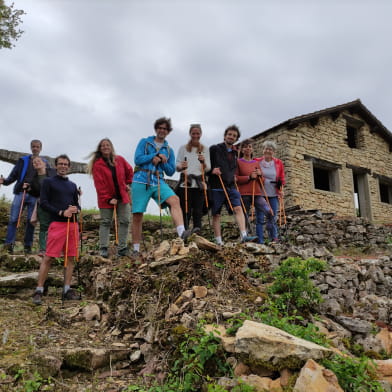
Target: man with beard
x: 59, y: 196
x: 222, y: 182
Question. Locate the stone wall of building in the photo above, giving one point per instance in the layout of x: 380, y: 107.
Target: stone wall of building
x: 326, y: 140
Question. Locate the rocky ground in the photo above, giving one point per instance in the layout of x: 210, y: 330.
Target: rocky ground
x: 124, y: 331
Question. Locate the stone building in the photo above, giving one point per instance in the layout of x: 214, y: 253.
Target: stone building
x: 337, y: 160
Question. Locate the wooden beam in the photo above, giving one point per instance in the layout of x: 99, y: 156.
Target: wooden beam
x: 358, y: 169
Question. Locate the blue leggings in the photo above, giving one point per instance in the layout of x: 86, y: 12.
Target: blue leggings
x: 272, y: 226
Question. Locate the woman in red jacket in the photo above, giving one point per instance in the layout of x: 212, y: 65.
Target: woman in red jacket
x: 112, y: 176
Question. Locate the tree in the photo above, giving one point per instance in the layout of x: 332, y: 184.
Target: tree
x: 10, y: 19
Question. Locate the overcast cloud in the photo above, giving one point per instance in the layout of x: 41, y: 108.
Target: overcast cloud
x: 86, y: 69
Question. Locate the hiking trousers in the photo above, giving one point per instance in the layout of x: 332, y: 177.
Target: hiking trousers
x: 29, y: 203
x: 123, y: 219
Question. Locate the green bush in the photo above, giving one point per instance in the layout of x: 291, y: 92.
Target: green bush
x: 292, y: 290
x: 354, y: 374
x: 199, y: 357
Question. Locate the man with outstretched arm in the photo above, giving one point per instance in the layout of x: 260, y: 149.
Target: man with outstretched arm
x: 222, y: 182
x: 59, y: 196
x: 21, y: 173
x: 153, y: 159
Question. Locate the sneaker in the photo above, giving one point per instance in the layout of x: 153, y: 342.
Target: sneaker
x: 249, y: 238
x: 71, y: 295
x: 27, y: 250
x: 37, y: 297
x: 123, y: 252
x: 186, y: 234
x: 104, y: 252
x: 9, y: 248
x: 196, y: 230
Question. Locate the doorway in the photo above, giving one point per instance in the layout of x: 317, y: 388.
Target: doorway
x: 361, y: 195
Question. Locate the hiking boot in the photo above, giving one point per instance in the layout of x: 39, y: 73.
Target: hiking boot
x: 104, y: 252
x: 123, y: 252
x: 71, y: 295
x: 9, y: 248
x: 186, y: 234
x: 37, y: 297
x: 196, y: 230
x: 27, y: 250
x: 249, y: 238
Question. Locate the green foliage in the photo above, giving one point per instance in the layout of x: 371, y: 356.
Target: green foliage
x: 354, y: 374
x: 90, y: 211
x: 292, y: 289
x: 218, y: 265
x: 241, y: 387
x: 31, y: 385
x: 166, y: 218
x: 215, y: 388
x: 9, y: 22
x: 198, y: 357
x: 236, y: 323
x: 257, y: 274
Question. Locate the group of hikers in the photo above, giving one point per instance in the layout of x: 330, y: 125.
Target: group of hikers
x: 244, y: 184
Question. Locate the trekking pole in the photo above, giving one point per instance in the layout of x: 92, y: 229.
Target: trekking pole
x: 21, y: 208
x: 281, y: 198
x: 80, y: 220
x: 266, y: 197
x: 159, y: 202
x: 224, y: 190
x: 186, y: 195
x: 115, y: 224
x: 76, y: 237
x: 66, y: 256
x: 205, y: 191
x: 244, y: 209
x: 77, y: 249
x: 253, y: 198
x: 242, y: 202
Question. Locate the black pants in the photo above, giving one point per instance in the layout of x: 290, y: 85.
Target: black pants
x: 195, y: 198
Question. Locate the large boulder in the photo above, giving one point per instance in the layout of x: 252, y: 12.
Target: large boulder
x: 270, y: 346
x: 315, y: 378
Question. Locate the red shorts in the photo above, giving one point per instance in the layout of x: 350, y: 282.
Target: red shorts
x: 56, y: 243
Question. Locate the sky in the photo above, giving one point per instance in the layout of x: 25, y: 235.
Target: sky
x: 88, y: 69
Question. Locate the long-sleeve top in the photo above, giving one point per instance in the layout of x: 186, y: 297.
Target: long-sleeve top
x: 227, y: 162
x: 245, y: 184
x: 105, y: 183
x: 194, y: 170
x: 270, y: 181
x: 57, y: 194
x: 22, y: 169
x: 145, y: 171
x: 37, y: 180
